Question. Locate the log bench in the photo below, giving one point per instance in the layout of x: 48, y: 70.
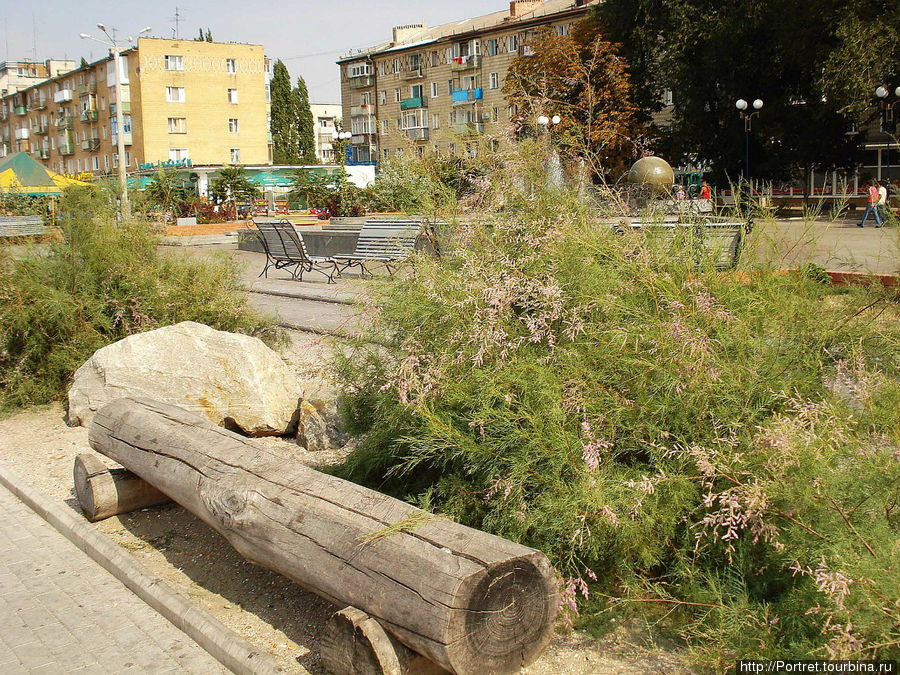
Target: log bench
x: 469, y: 601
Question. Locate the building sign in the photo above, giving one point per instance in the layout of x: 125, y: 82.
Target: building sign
x: 169, y: 163
x: 83, y: 176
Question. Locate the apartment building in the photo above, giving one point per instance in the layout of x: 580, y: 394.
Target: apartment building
x: 327, y: 119
x: 440, y: 88
x: 18, y: 75
x: 183, y: 102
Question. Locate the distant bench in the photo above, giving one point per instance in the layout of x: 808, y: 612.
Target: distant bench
x: 720, y: 236
x: 21, y: 226
x: 382, y: 242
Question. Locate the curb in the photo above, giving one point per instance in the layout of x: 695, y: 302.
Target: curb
x: 224, y: 645
x: 333, y: 300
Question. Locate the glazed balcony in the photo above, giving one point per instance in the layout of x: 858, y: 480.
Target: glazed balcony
x: 66, y: 150
x: 364, y: 109
x: 40, y: 130
x: 90, y: 144
x: 89, y: 116
x: 62, y: 96
x: 67, y: 122
x: 417, y: 133
x: 363, y: 139
x: 20, y: 110
x: 22, y: 134
x: 87, y: 88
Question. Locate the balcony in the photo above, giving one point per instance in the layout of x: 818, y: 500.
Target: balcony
x: 40, y: 104
x: 463, y: 63
x: 466, y: 96
x: 413, y: 74
x: 417, y: 133
x: 3, y: 150
x: 115, y: 139
x: 67, y: 122
x: 66, y: 150
x: 43, y: 153
x: 22, y: 134
x: 126, y: 108
x: 413, y: 103
x: 40, y: 130
x: 468, y: 128
x: 62, y: 96
x: 364, y: 109
x: 90, y: 144
x: 20, y: 110
x: 87, y: 88
x: 363, y: 139
x: 362, y: 81
x: 89, y: 116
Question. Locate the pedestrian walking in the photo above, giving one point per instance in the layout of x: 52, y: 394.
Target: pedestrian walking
x: 705, y: 191
x: 871, y: 205
x: 883, y: 200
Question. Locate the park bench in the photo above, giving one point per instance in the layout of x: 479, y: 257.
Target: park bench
x: 722, y: 236
x: 284, y: 249
x: 382, y: 242
x: 21, y: 226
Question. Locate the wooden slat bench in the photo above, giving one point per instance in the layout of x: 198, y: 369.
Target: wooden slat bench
x: 382, y: 242
x: 284, y: 249
x: 21, y: 226
x: 722, y: 236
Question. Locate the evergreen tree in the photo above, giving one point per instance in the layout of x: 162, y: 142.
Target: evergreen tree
x: 209, y: 35
x: 284, y: 127
x: 306, y: 131
x: 201, y: 38
x: 84, y: 63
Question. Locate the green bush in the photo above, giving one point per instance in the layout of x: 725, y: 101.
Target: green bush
x: 719, y: 450
x: 103, y: 282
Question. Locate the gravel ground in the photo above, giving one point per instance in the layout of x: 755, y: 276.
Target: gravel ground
x: 268, y: 610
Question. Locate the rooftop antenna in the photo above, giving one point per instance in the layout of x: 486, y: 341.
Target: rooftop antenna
x: 33, y: 39
x: 178, y: 17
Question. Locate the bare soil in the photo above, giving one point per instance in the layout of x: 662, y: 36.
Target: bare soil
x: 268, y: 610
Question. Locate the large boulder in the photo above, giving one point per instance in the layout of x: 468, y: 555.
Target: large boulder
x: 234, y: 380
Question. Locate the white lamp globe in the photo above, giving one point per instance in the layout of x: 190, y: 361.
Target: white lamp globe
x: 757, y: 104
x: 543, y: 120
x: 881, y: 92
x: 556, y: 119
x: 740, y: 104
x: 897, y: 92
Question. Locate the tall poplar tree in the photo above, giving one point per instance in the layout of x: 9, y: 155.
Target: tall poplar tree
x: 306, y: 132
x: 284, y: 126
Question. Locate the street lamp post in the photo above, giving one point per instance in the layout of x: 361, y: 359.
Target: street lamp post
x: 546, y: 124
x: 742, y: 106
x: 113, y: 45
x: 887, y: 119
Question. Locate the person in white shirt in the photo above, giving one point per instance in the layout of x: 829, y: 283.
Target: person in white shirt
x: 882, y: 201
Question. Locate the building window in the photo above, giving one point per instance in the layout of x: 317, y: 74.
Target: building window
x: 174, y: 62
x: 233, y: 125
x: 495, y: 113
x: 232, y: 96
x: 358, y: 70
x: 435, y: 121
x: 493, y: 47
x: 562, y: 29
x: 434, y: 90
x: 175, y: 94
x: 415, y: 91
x: 384, y: 153
x: 95, y: 163
x: 495, y: 80
x: 667, y: 97
x: 397, y: 95
x: 383, y: 96
x: 178, y: 154
x: 384, y: 127
x: 230, y: 66
x: 449, y: 87
x: 177, y: 125
x: 106, y: 162
x: 235, y: 155
x: 115, y: 160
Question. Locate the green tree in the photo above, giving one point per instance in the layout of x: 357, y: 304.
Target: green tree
x: 710, y: 53
x: 166, y: 190
x: 209, y: 35
x: 200, y: 38
x: 306, y: 132
x: 231, y: 186
x: 284, y: 127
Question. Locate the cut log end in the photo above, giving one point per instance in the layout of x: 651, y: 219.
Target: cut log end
x: 104, y: 492
x: 514, y: 605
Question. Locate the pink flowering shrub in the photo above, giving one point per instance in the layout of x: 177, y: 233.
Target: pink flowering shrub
x: 716, y: 449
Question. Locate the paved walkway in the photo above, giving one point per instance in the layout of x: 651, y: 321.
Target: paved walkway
x: 60, y: 612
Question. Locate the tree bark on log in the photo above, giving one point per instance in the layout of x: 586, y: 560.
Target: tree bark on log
x: 104, y: 492
x: 469, y: 601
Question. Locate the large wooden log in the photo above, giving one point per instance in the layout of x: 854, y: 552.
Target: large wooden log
x: 469, y: 601
x: 104, y: 492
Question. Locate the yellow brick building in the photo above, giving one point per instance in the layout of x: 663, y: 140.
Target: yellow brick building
x: 440, y: 88
x: 184, y: 101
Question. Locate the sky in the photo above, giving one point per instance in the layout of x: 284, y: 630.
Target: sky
x: 307, y: 35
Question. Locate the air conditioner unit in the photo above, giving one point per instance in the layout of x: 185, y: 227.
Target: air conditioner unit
x: 485, y: 117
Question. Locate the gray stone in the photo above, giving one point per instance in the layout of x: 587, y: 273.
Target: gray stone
x: 234, y: 380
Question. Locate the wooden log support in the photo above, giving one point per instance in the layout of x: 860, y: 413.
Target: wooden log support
x: 467, y: 600
x: 104, y: 492
x: 353, y: 643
